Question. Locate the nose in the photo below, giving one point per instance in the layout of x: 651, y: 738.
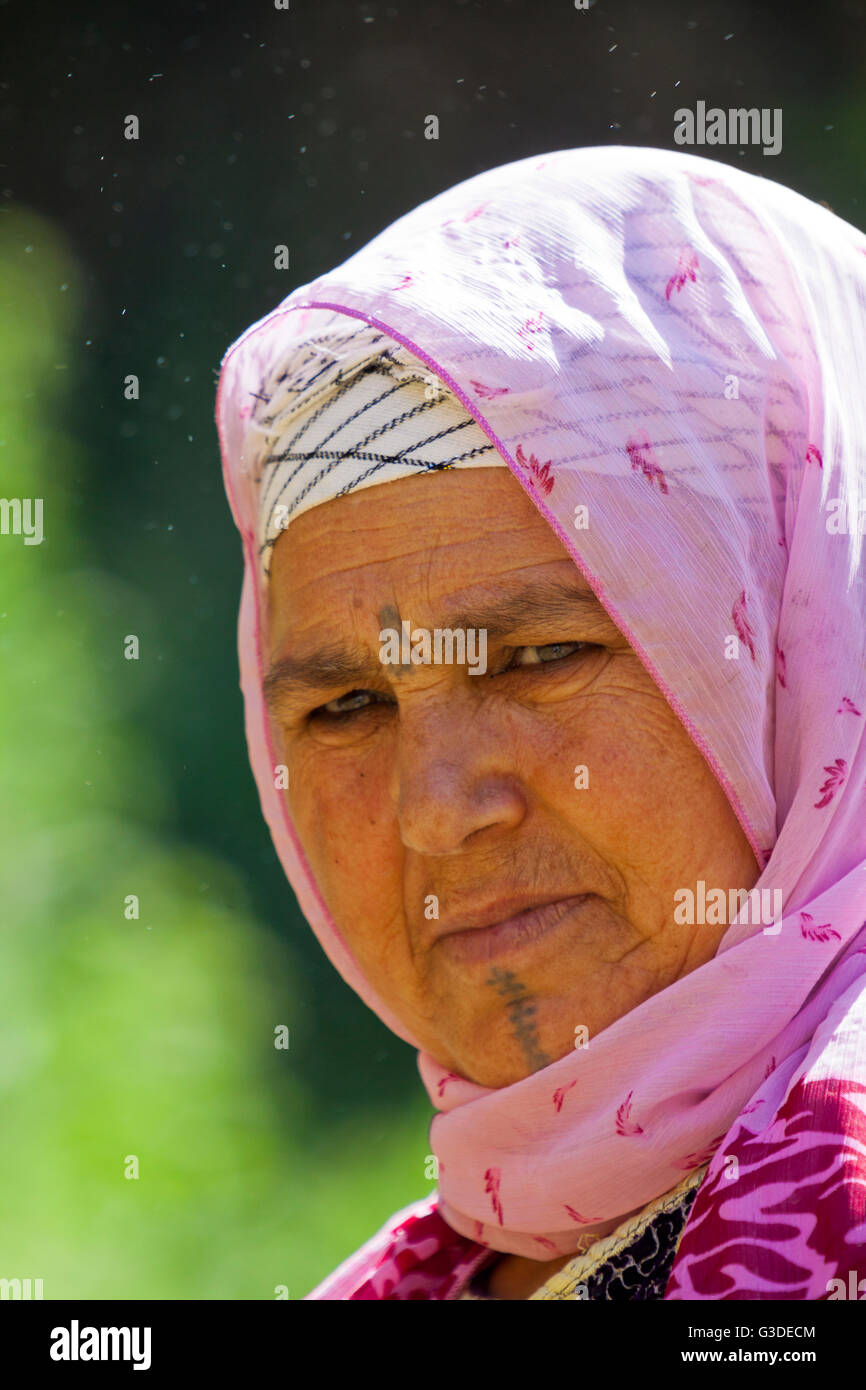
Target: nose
x: 454, y: 776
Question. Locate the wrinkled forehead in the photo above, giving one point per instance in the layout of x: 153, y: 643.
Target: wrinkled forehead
x: 437, y: 543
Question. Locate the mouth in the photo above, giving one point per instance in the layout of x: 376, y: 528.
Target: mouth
x: 483, y: 943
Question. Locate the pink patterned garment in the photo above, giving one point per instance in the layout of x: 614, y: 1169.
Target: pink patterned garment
x: 674, y: 350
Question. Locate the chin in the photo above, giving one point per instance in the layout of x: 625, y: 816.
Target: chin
x: 496, y: 1058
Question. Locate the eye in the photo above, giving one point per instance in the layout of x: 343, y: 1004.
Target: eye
x: 354, y: 702
x: 357, y: 702
x: 549, y: 652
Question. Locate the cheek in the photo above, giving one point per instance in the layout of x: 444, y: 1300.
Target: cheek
x: 342, y: 816
x: 656, y: 804
x: 591, y: 748
x: 349, y: 834
x: 617, y: 767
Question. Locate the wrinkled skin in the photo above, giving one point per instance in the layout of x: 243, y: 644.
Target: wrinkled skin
x: 440, y: 782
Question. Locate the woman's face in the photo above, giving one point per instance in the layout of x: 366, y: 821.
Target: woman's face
x: 428, y: 798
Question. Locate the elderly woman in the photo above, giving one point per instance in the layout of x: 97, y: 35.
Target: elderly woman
x: 552, y: 645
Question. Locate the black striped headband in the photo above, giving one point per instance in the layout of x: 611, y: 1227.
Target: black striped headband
x: 353, y: 408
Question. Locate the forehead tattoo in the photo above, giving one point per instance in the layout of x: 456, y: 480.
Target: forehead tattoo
x: 389, y: 616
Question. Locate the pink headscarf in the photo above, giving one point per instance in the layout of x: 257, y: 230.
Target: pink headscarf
x: 680, y: 347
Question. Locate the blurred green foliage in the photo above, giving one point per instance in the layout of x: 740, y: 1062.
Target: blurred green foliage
x: 153, y: 1036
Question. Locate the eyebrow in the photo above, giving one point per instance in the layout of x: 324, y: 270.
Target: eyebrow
x: 552, y: 598
x: 336, y: 664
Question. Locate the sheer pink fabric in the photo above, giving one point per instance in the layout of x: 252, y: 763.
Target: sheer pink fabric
x: 680, y: 348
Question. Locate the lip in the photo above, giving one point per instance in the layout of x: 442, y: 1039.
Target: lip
x: 487, y: 937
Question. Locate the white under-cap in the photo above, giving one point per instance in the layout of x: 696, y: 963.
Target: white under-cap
x: 351, y: 409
